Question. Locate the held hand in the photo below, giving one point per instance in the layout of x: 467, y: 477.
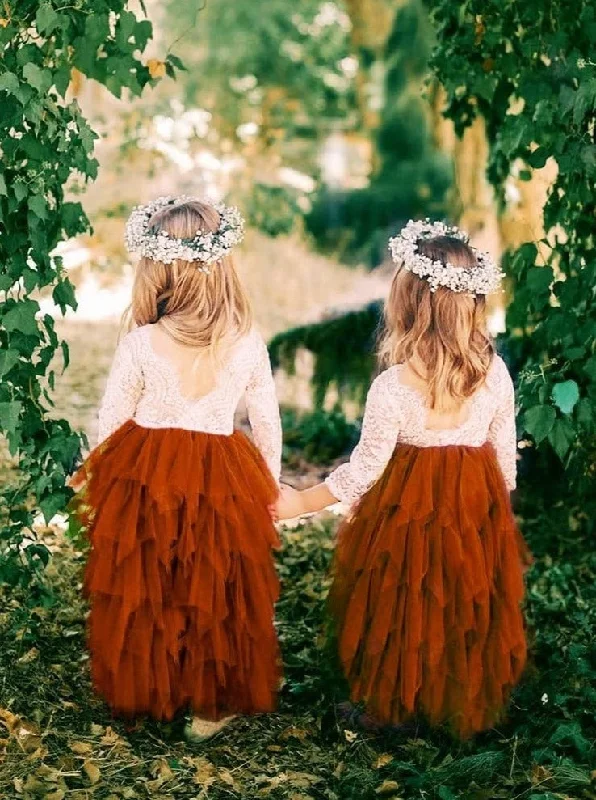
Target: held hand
x: 290, y: 503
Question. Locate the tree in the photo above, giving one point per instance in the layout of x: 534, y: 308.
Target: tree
x: 410, y: 175
x: 46, y: 146
x: 526, y: 69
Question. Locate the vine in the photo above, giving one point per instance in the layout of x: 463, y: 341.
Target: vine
x: 45, y: 143
x: 526, y: 68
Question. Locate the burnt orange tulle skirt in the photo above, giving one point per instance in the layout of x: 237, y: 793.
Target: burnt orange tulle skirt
x: 427, y: 588
x: 180, y: 576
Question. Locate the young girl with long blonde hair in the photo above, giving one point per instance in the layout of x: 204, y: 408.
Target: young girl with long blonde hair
x: 427, y: 576
x: 180, y: 577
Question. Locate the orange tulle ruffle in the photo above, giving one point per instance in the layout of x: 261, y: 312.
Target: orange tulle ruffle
x: 427, y: 587
x: 180, y: 577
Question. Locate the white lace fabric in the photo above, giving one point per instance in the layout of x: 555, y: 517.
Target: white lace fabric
x: 144, y: 386
x: 396, y: 413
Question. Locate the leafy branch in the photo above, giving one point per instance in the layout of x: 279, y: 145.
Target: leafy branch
x: 45, y: 141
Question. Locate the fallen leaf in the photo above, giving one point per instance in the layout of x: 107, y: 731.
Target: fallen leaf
x: 30, y: 655
x: 4, y: 23
x: 59, y: 794
x: 18, y: 785
x: 92, y: 771
x: 387, y: 787
x: 225, y: 776
x: 34, y: 786
x: 205, y: 771
x: 48, y: 774
x: 8, y: 719
x: 383, y: 760
x: 81, y: 748
x: 294, y: 733
x: 540, y: 774
x: 97, y: 730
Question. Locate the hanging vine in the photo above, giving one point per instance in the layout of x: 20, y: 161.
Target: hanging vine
x: 45, y: 142
x: 527, y: 69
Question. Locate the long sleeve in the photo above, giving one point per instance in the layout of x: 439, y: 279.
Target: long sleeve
x: 502, y: 433
x: 371, y: 455
x: 123, y: 390
x: 263, y: 410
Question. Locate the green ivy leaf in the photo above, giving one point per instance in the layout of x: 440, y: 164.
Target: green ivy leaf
x: 11, y: 84
x: 38, y: 205
x: 64, y: 296
x: 538, y: 421
x: 9, y: 417
x: 65, y: 354
x: 565, y: 396
x: 21, y: 317
x: 561, y: 437
x: 590, y: 369
x: 46, y: 19
x: 40, y: 79
x: 52, y: 504
x: 540, y: 280
x: 8, y: 358
x: 585, y: 412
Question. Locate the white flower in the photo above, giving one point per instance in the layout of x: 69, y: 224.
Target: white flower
x: 483, y: 279
x: 544, y: 698
x: 208, y: 248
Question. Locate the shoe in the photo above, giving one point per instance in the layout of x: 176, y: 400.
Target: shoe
x: 348, y: 714
x: 200, y: 730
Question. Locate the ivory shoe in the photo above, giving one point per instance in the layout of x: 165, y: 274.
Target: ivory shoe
x: 200, y: 730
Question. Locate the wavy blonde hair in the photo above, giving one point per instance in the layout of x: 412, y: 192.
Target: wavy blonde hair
x: 444, y: 331
x: 208, y: 312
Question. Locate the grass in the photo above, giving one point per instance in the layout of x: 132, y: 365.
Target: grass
x: 59, y: 742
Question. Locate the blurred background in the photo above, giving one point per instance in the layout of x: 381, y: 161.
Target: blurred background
x: 319, y: 120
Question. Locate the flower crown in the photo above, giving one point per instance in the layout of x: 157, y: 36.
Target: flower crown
x: 159, y: 245
x: 482, y: 279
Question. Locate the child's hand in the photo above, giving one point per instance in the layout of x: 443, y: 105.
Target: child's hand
x: 290, y: 503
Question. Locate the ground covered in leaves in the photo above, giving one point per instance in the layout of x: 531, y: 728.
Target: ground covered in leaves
x: 58, y: 741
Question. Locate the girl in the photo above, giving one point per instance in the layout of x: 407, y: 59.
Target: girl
x: 180, y: 576
x: 427, y: 580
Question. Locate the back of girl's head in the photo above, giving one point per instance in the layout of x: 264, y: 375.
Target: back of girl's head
x: 199, y: 305
x: 443, y: 331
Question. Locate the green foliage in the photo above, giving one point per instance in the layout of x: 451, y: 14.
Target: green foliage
x: 411, y: 177
x: 344, y: 353
x: 537, y: 58
x: 545, y: 748
x: 45, y: 143
x: 282, y: 72
x: 274, y: 210
x: 319, y: 436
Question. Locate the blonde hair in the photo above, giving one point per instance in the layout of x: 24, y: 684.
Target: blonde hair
x: 208, y: 312
x: 444, y: 331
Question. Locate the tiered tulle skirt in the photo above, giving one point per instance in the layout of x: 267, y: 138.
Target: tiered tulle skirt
x: 180, y: 576
x: 428, y: 582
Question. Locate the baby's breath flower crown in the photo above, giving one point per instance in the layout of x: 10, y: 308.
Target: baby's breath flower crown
x: 483, y: 279
x: 159, y: 245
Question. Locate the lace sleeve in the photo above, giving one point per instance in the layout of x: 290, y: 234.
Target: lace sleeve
x: 502, y: 433
x: 123, y: 389
x: 372, y: 453
x: 263, y: 410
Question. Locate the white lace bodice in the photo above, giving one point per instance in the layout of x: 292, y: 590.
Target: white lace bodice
x: 145, y: 387
x: 397, y: 413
